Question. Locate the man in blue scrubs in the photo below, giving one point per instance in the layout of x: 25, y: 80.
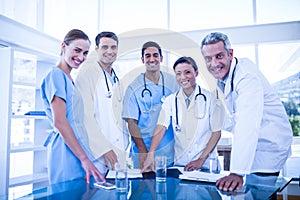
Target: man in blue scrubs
x: 142, y: 104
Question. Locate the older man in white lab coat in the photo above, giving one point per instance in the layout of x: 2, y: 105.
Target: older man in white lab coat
x: 262, y: 134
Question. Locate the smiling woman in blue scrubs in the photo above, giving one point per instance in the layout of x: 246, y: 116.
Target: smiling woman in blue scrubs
x: 67, y: 160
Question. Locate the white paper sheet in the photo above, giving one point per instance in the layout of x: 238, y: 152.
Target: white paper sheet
x: 200, y: 176
x: 131, y: 173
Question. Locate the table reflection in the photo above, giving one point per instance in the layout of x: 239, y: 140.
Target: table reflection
x: 256, y: 183
x: 256, y: 187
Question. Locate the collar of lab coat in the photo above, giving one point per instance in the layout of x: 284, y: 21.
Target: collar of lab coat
x: 181, y: 96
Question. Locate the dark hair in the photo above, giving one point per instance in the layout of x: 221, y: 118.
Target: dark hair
x: 151, y: 44
x: 106, y: 34
x: 187, y: 60
x: 215, y: 37
x: 75, y: 34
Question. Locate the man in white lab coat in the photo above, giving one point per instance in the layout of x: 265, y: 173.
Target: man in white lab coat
x: 262, y: 134
x: 99, y: 88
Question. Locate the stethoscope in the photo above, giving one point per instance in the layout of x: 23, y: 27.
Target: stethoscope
x: 229, y: 108
x: 233, y: 73
x: 146, y: 90
x: 201, y: 116
x: 116, y: 80
x: 231, y: 83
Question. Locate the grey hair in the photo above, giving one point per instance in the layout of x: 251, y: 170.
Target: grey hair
x: 215, y: 37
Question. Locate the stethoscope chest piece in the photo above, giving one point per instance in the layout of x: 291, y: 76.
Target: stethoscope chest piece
x: 177, y: 128
x: 109, y: 94
x: 116, y: 79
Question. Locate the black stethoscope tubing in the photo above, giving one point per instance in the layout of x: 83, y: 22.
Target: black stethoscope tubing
x: 233, y: 74
x: 147, y: 90
x: 177, y: 127
x: 116, y: 79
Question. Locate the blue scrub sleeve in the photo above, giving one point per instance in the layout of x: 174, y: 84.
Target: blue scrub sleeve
x: 57, y: 85
x: 131, y: 107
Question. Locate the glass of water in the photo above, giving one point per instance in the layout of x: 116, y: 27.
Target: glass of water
x: 121, y: 178
x: 161, y: 168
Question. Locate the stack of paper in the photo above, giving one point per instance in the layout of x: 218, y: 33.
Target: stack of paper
x: 201, y: 176
x: 131, y: 173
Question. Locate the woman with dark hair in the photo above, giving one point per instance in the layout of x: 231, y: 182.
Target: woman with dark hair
x: 197, y: 117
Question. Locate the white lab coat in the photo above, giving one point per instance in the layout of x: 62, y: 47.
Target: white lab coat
x: 102, y: 115
x: 261, y: 130
x: 195, y: 133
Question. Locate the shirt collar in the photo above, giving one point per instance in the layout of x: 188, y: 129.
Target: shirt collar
x: 191, y: 96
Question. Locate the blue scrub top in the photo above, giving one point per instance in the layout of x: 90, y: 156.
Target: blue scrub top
x: 146, y: 110
x: 63, y: 165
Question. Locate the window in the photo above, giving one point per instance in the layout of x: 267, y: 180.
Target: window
x: 64, y: 15
x: 198, y: 15
x: 22, y: 11
x: 123, y: 16
x: 281, y: 65
x: 270, y: 11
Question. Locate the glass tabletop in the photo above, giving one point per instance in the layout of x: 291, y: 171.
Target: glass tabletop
x: 147, y: 188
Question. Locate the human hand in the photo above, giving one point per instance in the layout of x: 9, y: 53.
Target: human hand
x: 142, y: 159
x: 230, y: 182
x: 194, y: 165
x: 111, y: 158
x: 91, y: 170
x: 149, y: 163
